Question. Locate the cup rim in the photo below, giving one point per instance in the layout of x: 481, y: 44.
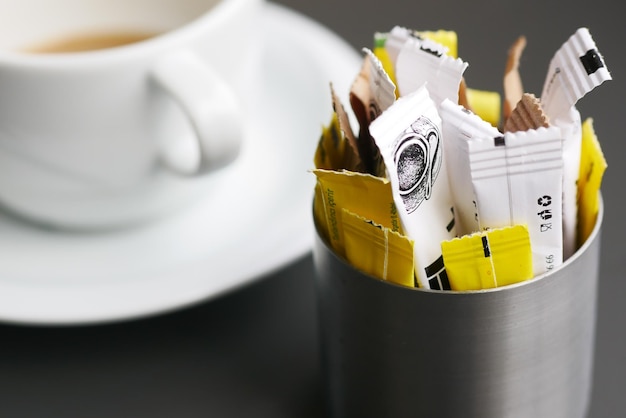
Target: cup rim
x: 162, y: 42
x: 590, y: 240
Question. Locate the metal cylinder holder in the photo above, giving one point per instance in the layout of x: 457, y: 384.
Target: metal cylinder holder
x: 524, y: 350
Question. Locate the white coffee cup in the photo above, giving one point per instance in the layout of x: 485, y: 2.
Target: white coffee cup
x: 106, y: 137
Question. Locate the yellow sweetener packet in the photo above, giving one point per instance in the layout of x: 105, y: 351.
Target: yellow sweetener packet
x: 363, y: 194
x: 333, y: 152
x: 486, y: 104
x: 592, y: 168
x: 488, y: 259
x: 378, y: 251
x: 319, y: 212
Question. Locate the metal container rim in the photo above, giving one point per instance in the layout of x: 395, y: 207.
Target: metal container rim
x: 545, y: 276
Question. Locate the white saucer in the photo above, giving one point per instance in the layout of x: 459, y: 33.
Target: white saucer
x: 258, y: 222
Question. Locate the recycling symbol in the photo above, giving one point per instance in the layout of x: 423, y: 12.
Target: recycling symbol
x: 544, y: 201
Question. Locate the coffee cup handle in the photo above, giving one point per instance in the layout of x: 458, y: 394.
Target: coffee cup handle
x: 211, y: 107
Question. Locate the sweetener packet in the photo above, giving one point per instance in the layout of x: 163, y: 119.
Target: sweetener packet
x: 377, y: 250
x: 366, y: 195
x: 488, y: 259
x: 423, y: 61
x: 576, y: 69
x: 592, y: 168
x: 527, y: 114
x: 513, y: 86
x: 421, y: 57
x: 408, y: 135
x: 447, y: 38
x: 485, y: 103
x: 370, y: 94
x: 396, y: 38
x: 518, y: 179
x: 460, y: 127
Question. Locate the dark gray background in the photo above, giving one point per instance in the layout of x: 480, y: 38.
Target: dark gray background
x: 253, y: 353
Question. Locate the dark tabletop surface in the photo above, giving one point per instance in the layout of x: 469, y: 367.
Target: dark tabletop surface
x: 253, y: 352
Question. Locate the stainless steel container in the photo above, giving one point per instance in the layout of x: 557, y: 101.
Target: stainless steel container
x: 524, y: 350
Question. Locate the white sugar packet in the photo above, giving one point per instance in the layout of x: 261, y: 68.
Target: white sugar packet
x: 576, y: 69
x: 423, y: 61
x: 460, y: 127
x: 395, y: 40
x: 517, y: 179
x: 408, y: 135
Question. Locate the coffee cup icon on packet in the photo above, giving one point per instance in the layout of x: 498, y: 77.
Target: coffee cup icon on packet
x: 418, y: 158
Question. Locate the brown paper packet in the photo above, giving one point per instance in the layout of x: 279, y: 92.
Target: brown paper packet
x: 528, y: 114
x: 366, y: 108
x: 463, y: 99
x: 513, y: 88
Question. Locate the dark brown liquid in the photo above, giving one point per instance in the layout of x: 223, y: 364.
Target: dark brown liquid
x: 88, y: 42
